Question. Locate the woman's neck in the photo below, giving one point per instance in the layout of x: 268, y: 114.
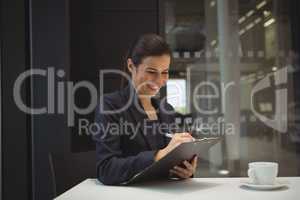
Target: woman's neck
x: 146, y: 101
x: 148, y: 107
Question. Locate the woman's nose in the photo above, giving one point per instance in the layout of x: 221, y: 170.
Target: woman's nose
x: 160, y: 81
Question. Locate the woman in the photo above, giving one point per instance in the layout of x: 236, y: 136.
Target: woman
x: 131, y: 136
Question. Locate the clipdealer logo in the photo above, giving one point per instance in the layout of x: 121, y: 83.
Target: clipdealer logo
x: 279, y: 121
x: 67, y: 103
x: 57, y: 101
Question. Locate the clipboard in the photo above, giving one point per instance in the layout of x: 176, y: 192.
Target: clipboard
x: 185, y: 151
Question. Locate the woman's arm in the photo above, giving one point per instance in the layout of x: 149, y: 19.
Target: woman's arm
x: 112, y: 167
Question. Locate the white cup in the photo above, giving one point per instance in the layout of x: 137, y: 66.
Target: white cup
x: 263, y: 173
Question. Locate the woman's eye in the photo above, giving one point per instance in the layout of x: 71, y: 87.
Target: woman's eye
x: 154, y: 72
x: 151, y: 72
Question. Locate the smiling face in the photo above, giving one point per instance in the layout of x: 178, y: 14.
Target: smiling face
x: 149, y: 76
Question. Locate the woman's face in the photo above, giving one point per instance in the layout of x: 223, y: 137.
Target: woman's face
x: 152, y: 74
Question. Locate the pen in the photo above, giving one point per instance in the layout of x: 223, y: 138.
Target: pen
x: 170, y: 135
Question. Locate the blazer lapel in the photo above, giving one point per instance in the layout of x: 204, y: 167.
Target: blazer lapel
x: 164, y: 117
x: 138, y: 116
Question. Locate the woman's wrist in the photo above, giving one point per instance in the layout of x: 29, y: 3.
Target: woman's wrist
x: 159, y: 154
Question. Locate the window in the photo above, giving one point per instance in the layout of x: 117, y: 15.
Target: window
x: 239, y: 64
x: 176, y: 94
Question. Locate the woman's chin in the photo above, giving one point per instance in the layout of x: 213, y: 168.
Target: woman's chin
x: 148, y: 91
x: 152, y: 92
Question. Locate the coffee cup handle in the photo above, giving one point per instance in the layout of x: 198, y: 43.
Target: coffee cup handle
x: 251, y: 175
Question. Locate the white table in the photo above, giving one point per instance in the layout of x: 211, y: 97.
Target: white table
x: 197, y: 188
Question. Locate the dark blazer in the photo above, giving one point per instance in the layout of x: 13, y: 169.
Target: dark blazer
x: 123, y: 152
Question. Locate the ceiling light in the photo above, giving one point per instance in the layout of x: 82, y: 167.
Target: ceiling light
x: 266, y: 13
x: 242, y: 19
x: 257, y: 20
x: 212, y: 43
x: 261, y: 4
x: 269, y: 22
x: 249, y: 26
x: 242, y: 32
x: 223, y: 172
x: 251, y: 12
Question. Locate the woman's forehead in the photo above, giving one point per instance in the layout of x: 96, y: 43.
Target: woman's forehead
x: 157, y: 62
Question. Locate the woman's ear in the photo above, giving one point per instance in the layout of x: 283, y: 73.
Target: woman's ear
x: 130, y: 65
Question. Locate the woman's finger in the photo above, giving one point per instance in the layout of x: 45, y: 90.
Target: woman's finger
x: 183, y: 135
x: 194, y: 162
x: 188, y: 166
x: 183, y: 140
x: 186, y: 172
x: 178, y: 173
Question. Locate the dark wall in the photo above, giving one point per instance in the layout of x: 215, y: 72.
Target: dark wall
x: 15, y: 127
x: 295, y: 26
x: 49, y: 48
x: 42, y: 156
x: 101, y: 32
x: 79, y: 37
x: 295, y: 32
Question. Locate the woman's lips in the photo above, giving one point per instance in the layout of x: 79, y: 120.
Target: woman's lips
x: 153, y: 87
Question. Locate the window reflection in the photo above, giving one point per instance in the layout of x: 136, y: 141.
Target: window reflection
x: 249, y: 43
x: 176, y: 94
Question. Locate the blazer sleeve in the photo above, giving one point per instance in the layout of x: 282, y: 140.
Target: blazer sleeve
x: 113, y: 167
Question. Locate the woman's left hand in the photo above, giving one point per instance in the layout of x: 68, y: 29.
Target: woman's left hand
x: 186, y: 172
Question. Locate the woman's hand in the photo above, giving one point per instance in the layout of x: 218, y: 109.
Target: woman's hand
x: 177, y: 139
x: 187, y: 171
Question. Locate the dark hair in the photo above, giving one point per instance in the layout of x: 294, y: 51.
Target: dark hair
x: 146, y: 45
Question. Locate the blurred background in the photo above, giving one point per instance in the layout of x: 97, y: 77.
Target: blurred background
x: 249, y: 42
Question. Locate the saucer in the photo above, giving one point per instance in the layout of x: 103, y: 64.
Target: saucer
x: 276, y: 185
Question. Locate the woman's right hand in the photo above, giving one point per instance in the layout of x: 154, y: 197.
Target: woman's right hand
x: 176, y: 140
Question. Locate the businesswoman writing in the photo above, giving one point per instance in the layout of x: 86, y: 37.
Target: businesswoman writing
x: 131, y: 136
